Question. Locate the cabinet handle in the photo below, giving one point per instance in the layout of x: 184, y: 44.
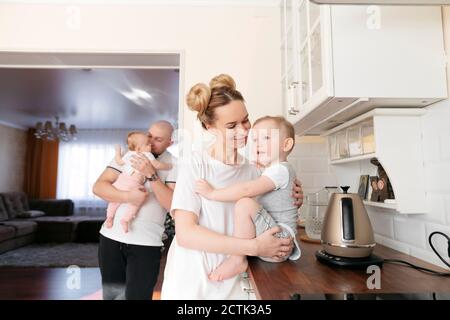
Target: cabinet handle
x: 293, y: 85
x: 292, y: 111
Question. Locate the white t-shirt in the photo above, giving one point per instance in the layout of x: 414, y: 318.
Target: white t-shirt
x: 148, y: 226
x: 128, y: 167
x: 186, y: 271
x: 279, y: 174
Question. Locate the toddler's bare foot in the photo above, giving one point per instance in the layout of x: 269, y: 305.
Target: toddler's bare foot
x: 124, y: 224
x: 231, y: 267
x: 109, y: 222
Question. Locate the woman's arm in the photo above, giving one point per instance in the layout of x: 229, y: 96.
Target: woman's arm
x: 104, y: 189
x: 191, y: 235
x: 236, y: 191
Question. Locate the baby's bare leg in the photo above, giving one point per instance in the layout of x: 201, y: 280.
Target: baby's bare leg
x: 244, y: 212
x: 110, y: 213
x: 129, y: 215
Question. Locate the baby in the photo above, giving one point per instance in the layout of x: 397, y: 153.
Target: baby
x: 130, y: 178
x: 274, y: 139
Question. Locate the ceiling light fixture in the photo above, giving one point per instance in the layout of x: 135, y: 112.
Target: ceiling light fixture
x: 55, y: 131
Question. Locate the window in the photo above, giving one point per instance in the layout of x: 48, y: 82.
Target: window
x: 81, y: 162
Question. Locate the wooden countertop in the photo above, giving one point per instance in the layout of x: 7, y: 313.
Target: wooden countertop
x: 278, y: 281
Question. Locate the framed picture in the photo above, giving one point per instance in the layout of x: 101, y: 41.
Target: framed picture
x: 363, y: 186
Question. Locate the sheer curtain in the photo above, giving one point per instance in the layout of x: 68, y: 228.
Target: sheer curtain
x: 80, y: 164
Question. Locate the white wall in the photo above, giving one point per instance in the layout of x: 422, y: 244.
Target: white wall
x: 242, y: 41
x: 13, y: 145
x: 409, y: 234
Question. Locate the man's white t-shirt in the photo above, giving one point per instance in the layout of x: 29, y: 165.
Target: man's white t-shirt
x: 148, y: 226
x: 186, y: 271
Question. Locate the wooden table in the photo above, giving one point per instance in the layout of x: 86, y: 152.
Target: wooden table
x: 278, y: 281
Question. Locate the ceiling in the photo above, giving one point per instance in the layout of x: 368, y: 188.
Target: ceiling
x: 103, y: 98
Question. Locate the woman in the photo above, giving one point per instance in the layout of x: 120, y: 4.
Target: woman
x: 203, y: 227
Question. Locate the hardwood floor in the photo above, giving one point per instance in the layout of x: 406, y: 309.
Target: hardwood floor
x: 55, y: 284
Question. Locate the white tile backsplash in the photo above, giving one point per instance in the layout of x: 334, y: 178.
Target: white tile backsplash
x: 396, y: 245
x: 410, y: 231
x: 437, y: 177
x: 383, y: 225
x: 314, y: 165
x: 447, y: 210
x: 427, y: 255
x: 321, y: 180
x: 444, y: 144
x: 439, y: 242
x: 436, y: 207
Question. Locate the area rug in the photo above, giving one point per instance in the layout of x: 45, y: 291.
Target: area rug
x: 52, y: 255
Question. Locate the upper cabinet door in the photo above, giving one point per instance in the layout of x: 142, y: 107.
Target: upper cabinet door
x: 306, y: 79
x: 343, y: 60
x: 290, y: 72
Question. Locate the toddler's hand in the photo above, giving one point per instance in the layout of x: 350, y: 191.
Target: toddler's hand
x: 203, y: 188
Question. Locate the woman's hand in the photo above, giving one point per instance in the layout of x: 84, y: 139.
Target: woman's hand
x: 141, y: 163
x: 137, y: 196
x: 203, y: 188
x: 297, y: 193
x: 268, y: 245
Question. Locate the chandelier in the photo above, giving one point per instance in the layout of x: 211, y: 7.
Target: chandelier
x: 55, y: 131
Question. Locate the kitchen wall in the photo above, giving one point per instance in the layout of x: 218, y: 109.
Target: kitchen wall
x: 242, y: 41
x: 310, y: 158
x: 410, y: 233
x: 12, y: 158
x: 406, y: 233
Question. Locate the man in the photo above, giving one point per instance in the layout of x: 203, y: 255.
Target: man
x: 129, y: 262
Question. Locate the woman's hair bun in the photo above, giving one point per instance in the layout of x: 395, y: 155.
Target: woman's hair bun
x: 222, y: 80
x: 198, y: 97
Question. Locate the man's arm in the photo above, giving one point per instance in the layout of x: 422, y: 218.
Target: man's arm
x: 236, y: 191
x: 104, y: 189
x: 163, y: 193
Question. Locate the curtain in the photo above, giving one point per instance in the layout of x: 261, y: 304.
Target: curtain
x: 41, y: 167
x: 80, y: 164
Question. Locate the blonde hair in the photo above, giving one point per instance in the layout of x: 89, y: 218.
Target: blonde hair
x: 131, y: 142
x: 205, y: 99
x: 282, y: 124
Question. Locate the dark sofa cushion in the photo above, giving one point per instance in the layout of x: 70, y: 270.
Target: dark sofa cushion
x: 30, y: 214
x: 53, y: 208
x: 15, y: 202
x: 7, y: 233
x: 3, y: 212
x: 22, y: 227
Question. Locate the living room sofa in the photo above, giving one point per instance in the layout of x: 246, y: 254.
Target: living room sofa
x: 23, y: 221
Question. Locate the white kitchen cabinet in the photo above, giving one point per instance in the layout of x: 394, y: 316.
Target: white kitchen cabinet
x: 393, y: 136
x: 341, y: 61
